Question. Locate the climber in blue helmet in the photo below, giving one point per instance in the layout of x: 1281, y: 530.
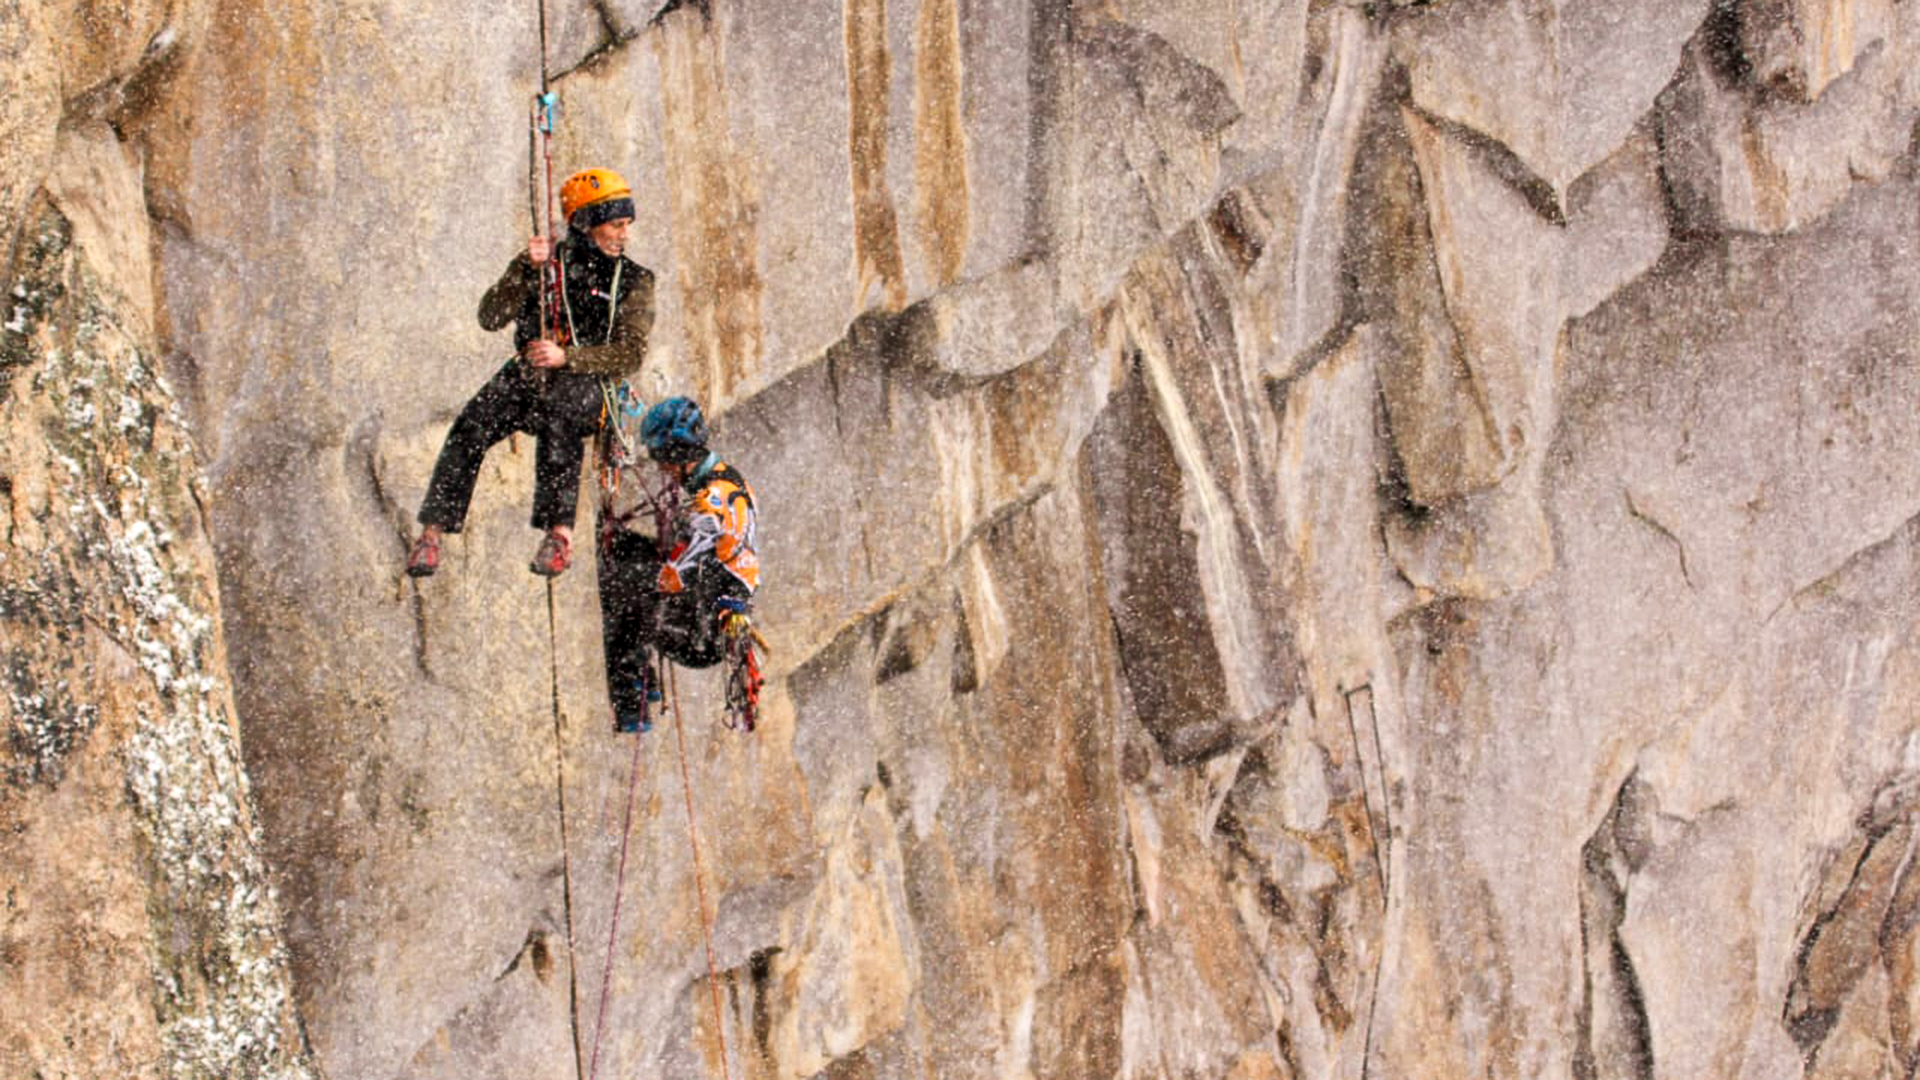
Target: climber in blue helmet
x: 687, y: 594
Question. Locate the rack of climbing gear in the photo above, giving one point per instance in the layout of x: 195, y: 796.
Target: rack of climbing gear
x: 742, y: 665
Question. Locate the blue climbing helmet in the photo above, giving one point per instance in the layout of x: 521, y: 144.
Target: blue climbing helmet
x: 674, y: 431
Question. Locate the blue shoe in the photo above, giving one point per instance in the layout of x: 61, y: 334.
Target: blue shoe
x: 639, y: 721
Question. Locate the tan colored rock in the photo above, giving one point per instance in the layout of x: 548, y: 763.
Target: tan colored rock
x: 1168, y: 314
x: 141, y: 934
x: 1333, y: 525
x: 1705, y: 602
x: 1438, y: 420
x: 29, y: 114
x: 1310, y: 303
x: 1274, y: 570
x: 1177, y: 956
x: 1258, y: 49
x: 1507, y: 280
x: 1142, y: 125
x: 98, y: 190
x: 1495, y: 260
x: 1470, y: 377
x: 849, y: 974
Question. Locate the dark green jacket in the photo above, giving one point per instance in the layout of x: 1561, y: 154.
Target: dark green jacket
x: 596, y: 348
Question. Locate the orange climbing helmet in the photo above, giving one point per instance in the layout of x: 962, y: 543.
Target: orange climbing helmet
x: 597, y: 195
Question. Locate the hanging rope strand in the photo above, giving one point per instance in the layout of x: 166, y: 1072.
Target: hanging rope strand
x: 699, y: 876
x: 553, y: 275
x: 613, y: 931
x: 566, y: 848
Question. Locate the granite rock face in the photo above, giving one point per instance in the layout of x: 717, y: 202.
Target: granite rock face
x: 1302, y: 539
x: 141, y: 936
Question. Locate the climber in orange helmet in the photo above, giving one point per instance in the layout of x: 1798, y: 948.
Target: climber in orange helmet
x: 599, y: 330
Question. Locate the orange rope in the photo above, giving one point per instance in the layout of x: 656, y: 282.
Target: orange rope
x: 699, y: 875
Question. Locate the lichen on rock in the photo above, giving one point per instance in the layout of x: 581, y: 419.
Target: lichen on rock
x: 108, y: 631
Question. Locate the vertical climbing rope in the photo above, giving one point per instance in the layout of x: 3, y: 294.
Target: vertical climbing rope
x: 699, y: 876
x: 613, y: 931
x: 566, y: 849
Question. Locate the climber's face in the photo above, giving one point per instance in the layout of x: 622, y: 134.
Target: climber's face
x: 611, y: 236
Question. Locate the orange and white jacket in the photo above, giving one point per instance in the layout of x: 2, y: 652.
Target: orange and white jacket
x: 719, y: 525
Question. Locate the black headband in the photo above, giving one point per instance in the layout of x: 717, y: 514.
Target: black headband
x: 601, y: 212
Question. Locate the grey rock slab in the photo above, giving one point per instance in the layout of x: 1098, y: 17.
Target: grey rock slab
x: 1767, y: 163
x: 1218, y: 428
x: 1797, y: 48
x: 1596, y: 69
x: 784, y: 226
x: 1756, y: 850
x: 1314, y: 194
x: 993, y: 324
x: 1617, y: 226
x: 1258, y: 49
x: 1443, y: 438
x: 1497, y: 263
x: 1141, y: 126
x: 1544, y: 700
x: 1328, y: 479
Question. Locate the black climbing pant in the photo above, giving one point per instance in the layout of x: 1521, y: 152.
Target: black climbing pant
x: 560, y: 411
x: 628, y: 566
x: 687, y: 625
x: 637, y: 621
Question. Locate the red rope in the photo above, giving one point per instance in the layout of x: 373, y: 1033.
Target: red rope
x: 613, y: 932
x: 699, y: 875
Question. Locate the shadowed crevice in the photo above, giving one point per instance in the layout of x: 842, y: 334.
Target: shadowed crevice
x: 1615, y: 1040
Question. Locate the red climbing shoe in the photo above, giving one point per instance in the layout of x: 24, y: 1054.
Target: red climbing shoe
x: 424, y: 559
x: 554, y: 555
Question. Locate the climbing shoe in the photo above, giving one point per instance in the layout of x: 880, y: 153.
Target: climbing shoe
x: 639, y: 719
x: 553, y: 556
x: 424, y: 559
